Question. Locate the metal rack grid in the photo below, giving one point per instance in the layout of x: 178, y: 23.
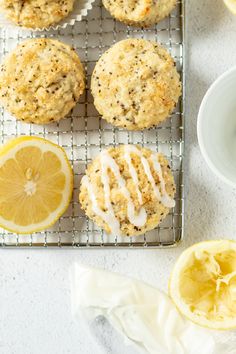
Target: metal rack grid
x: 83, y: 134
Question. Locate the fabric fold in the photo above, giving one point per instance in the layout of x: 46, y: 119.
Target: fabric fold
x: 139, y: 312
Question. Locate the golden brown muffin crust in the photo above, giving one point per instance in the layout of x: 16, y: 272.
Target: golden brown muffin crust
x: 36, y: 13
x: 41, y: 80
x: 155, y: 209
x: 142, y: 13
x: 135, y: 84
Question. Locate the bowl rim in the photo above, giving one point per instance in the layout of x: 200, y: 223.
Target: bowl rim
x: 200, y: 126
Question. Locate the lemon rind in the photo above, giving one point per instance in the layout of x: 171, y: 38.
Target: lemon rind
x: 11, y: 144
x: 231, y: 5
x: 216, y: 325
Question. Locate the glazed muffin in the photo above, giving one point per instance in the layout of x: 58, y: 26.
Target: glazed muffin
x: 127, y: 190
x: 143, y: 13
x: 36, y: 13
x: 41, y: 81
x: 135, y: 84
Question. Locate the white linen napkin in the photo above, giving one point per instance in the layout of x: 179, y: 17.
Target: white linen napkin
x: 141, y: 313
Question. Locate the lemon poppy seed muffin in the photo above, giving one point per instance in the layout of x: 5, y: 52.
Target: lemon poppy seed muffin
x: 36, y: 13
x: 127, y: 190
x: 143, y: 13
x: 41, y: 81
x: 135, y: 84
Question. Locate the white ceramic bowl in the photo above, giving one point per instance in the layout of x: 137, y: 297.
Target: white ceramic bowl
x: 217, y: 127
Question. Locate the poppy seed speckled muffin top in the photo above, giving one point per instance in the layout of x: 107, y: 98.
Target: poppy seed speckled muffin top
x: 127, y: 190
x: 41, y: 81
x: 36, y: 13
x: 135, y: 84
x: 143, y: 13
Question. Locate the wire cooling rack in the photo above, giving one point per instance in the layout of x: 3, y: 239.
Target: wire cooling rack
x: 83, y: 134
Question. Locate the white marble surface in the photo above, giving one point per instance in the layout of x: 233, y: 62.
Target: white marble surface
x: 34, y: 285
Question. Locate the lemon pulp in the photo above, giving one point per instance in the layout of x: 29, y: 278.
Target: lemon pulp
x: 203, y: 284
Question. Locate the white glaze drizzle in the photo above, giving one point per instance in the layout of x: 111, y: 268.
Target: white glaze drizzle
x: 165, y: 198
x: 110, y: 219
x: 133, y: 173
x: 107, y: 162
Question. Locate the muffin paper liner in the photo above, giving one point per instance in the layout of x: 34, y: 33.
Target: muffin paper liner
x: 81, y: 8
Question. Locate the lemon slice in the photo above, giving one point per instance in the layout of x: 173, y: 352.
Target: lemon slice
x: 231, y: 4
x: 203, y: 284
x: 36, y: 183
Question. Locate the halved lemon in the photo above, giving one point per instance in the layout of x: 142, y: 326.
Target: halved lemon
x: 36, y: 183
x: 203, y: 284
x: 231, y: 4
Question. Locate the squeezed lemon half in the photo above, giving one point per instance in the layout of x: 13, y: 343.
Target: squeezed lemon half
x: 231, y: 4
x: 203, y: 284
x: 36, y: 183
